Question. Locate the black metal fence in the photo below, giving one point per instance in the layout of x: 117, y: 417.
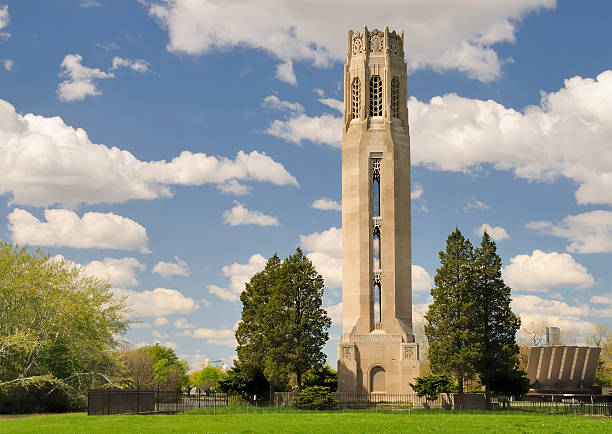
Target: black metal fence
x: 121, y: 401
x: 562, y: 406
x: 351, y: 400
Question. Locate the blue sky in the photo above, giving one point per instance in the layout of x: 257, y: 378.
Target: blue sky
x: 171, y: 147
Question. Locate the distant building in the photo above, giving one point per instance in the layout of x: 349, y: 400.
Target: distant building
x: 561, y: 369
x: 219, y: 363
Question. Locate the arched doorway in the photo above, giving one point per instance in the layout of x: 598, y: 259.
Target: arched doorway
x: 378, y: 380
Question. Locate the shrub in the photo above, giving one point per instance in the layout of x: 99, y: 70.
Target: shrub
x: 315, y: 398
x: 432, y: 386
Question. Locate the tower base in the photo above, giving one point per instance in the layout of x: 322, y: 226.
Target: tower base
x: 377, y: 363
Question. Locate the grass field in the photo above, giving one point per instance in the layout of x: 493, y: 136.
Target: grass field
x: 312, y: 422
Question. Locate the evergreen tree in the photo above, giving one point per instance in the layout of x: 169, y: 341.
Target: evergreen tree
x: 284, y: 326
x: 496, y: 322
x: 455, y: 343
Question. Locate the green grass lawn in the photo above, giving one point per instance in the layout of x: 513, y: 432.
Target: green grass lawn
x: 313, y: 422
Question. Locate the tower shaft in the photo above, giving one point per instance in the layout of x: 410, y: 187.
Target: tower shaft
x: 377, y: 352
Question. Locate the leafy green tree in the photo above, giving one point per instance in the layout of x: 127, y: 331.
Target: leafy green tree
x: 455, y: 343
x: 209, y: 378
x: 324, y: 376
x: 432, y: 386
x: 284, y: 326
x: 495, y: 322
x: 58, y: 328
x: 169, y: 373
x: 236, y: 381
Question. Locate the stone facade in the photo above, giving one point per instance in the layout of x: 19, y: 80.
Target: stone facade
x: 377, y: 351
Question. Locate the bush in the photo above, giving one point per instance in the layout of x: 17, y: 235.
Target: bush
x: 315, y: 398
x: 432, y: 386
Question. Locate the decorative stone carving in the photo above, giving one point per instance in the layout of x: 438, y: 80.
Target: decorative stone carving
x: 377, y: 41
x: 395, y: 44
x: 409, y: 353
x: 347, y: 353
x: 357, y: 45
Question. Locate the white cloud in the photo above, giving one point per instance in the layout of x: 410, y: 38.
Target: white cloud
x: 65, y: 228
x: 541, y: 271
x: 138, y: 65
x: 334, y: 311
x: 326, y: 203
x: 460, y: 134
x: 554, y: 312
x: 156, y: 303
x: 475, y: 204
x: 80, y: 79
x: 4, y: 21
x: 460, y: 37
x: 118, y: 272
x: 589, y: 232
x: 160, y: 321
x: 333, y: 103
x: 325, y: 251
x: 239, y: 275
x: 498, y: 233
x: 417, y: 191
x: 167, y: 269
x: 8, y: 64
x: 43, y: 161
x: 284, y: 72
x: 204, y: 302
x: 240, y: 215
x: 324, y: 129
x: 90, y: 4
x: 223, y: 337
x: 274, y: 102
x: 421, y: 280
x: 182, y: 323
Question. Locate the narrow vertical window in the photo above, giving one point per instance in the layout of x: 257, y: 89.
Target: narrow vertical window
x: 377, y: 302
x: 376, y: 249
x: 395, y: 97
x: 376, y: 97
x: 355, y: 98
x: 376, y: 187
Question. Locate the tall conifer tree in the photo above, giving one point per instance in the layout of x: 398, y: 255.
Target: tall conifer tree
x: 455, y: 344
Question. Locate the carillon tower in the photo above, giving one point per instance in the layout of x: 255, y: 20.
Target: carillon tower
x: 377, y: 351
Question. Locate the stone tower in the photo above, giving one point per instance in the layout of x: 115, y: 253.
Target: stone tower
x: 377, y: 351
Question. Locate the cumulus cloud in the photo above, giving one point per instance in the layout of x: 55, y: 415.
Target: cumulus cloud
x: 461, y: 38
x: 119, y: 272
x: 421, y: 280
x: 453, y: 133
x: 327, y: 204
x: 324, y: 129
x: 138, y: 65
x: 182, y: 323
x: 474, y: 204
x: 498, y: 233
x: 43, y: 161
x: 4, y: 21
x: 224, y: 337
x: 541, y: 271
x: 65, y: 228
x: 555, y: 312
x: 160, y: 321
x: 79, y: 82
x: 239, y: 275
x: 284, y: 72
x: 167, y: 269
x: 324, y: 249
x: 156, y: 303
x: 589, y: 232
x: 274, y: 102
x: 334, y: 311
x: 417, y: 191
x: 333, y: 103
x: 7, y: 64
x: 240, y: 215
